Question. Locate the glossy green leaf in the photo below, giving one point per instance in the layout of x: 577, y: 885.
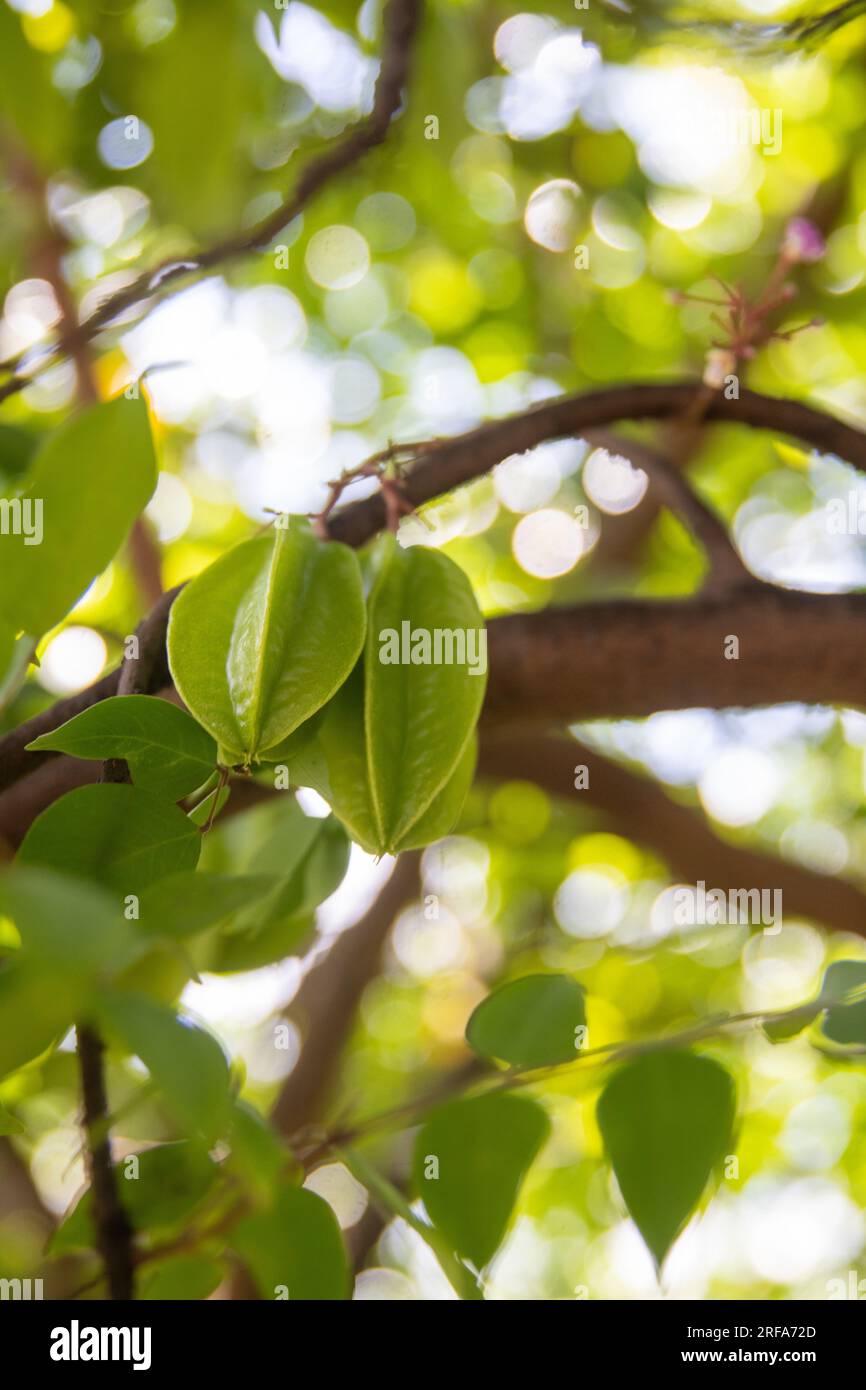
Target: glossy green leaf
x: 331, y: 756
x: 262, y: 639
x: 167, y: 751
x: 117, y: 835
x: 419, y: 718
x: 92, y: 477
x: 159, y: 1187
x: 295, y: 1245
x: 666, y: 1119
x: 186, y: 1064
x: 67, y: 923
x: 845, y: 1022
x: 469, y: 1163
x: 530, y: 1022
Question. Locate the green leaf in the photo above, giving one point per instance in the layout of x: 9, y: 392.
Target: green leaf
x: 783, y: 1029
x: 117, y: 835
x: 470, y: 1160
x: 845, y: 1022
x: 295, y: 1244
x: 281, y: 920
x: 92, y: 477
x: 67, y: 923
x: 187, y: 1065
x: 194, y: 90
x: 530, y: 1022
x: 666, y: 1120
x: 172, y: 1180
x: 264, y: 637
x: 9, y: 1124
x: 206, y: 811
x: 16, y: 654
x: 25, y: 85
x: 258, y: 1156
x: 167, y: 751
x: 37, y: 1006
x: 17, y: 447
x: 188, y: 903
x: 331, y: 755
x: 418, y: 718
x: 444, y: 810
x: 185, y: 1279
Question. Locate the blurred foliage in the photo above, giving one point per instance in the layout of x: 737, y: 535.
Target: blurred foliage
x: 435, y: 284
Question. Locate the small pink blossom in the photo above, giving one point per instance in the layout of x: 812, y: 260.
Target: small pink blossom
x: 802, y: 242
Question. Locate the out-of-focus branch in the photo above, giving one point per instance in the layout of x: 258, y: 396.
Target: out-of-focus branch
x: 670, y: 486
x: 111, y: 1223
x: 623, y: 658
x: 681, y: 835
x: 326, y: 1004
x: 400, y: 22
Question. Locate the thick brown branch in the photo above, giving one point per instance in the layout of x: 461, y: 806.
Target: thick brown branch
x: 625, y: 659
x: 642, y: 675
x: 449, y: 463
x: 628, y: 658
x: 681, y: 835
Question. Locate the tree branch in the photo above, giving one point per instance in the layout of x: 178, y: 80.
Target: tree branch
x: 632, y: 657
x: 726, y: 567
x: 449, y: 463
x: 680, y: 835
x: 113, y: 1230
x: 326, y: 1003
x: 628, y: 658
x: 400, y: 22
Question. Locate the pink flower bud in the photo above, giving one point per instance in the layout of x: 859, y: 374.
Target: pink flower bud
x: 802, y: 241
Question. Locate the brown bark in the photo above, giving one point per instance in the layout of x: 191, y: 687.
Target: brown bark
x: 681, y: 835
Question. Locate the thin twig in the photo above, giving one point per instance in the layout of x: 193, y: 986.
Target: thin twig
x: 114, y: 1234
x: 400, y: 22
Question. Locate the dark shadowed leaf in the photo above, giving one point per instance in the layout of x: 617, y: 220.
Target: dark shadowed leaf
x: 845, y: 1022
x: 159, y: 1187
